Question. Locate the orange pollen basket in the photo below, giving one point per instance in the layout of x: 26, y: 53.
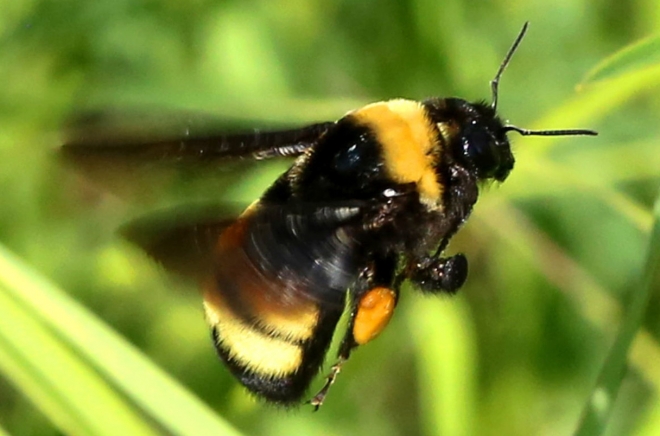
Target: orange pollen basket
x: 373, y: 313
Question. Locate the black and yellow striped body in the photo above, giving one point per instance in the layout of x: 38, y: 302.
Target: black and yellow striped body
x: 382, y: 186
x: 267, y: 327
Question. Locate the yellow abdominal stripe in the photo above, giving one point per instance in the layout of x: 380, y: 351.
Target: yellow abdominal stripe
x: 291, y: 328
x: 256, y: 350
x: 252, y: 349
x: 408, y: 141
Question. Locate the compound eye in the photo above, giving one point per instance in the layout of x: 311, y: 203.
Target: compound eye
x: 480, y: 149
x: 348, y: 159
x: 356, y: 160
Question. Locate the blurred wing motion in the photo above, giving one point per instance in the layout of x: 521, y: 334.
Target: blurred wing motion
x: 137, y: 157
x: 182, y: 240
x: 97, y: 135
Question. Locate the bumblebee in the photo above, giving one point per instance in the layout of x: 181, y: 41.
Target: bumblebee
x: 371, y: 200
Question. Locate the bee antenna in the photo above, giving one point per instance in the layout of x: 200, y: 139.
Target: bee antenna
x: 494, y: 84
x: 563, y: 132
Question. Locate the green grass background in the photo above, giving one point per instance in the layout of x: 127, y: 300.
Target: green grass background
x: 556, y: 331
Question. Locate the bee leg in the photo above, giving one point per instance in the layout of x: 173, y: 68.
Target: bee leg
x: 348, y: 344
x: 439, y: 274
x: 318, y: 399
x: 371, y: 308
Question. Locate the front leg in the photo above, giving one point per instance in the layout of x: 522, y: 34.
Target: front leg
x: 434, y: 274
x: 439, y: 274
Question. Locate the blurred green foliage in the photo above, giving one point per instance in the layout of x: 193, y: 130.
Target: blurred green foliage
x: 558, y: 253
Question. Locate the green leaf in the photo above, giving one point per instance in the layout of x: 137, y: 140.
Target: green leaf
x: 598, y: 407
x: 446, y: 347
x: 53, y: 376
x: 82, y: 374
x: 634, y: 57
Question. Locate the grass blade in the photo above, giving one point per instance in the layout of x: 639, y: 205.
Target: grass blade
x: 57, y: 381
x: 92, y: 349
x: 447, y: 362
x: 638, y: 55
x: 599, y: 405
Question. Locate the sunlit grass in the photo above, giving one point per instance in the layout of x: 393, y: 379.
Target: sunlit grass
x: 62, y: 357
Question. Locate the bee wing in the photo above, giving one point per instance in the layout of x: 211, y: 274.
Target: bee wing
x: 136, y: 157
x: 187, y: 143
x: 294, y: 253
x: 182, y: 240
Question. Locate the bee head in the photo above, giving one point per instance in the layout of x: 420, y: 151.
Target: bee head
x: 475, y: 134
x: 478, y: 139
